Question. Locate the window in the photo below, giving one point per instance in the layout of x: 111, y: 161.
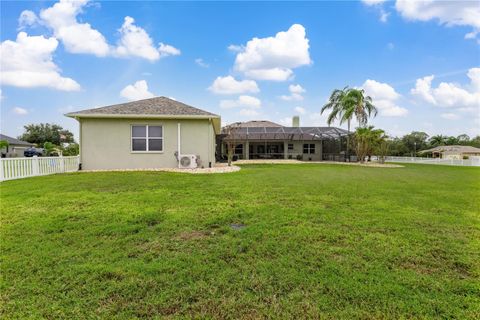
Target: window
x: 147, y: 138
x: 290, y: 146
x: 239, y: 149
x: 309, y: 148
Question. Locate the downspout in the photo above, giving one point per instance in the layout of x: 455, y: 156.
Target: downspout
x: 80, y: 141
x: 178, y: 144
x: 210, y: 149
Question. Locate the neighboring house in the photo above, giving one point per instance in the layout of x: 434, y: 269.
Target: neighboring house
x: 146, y: 134
x: 268, y: 140
x: 15, y: 147
x: 453, y: 152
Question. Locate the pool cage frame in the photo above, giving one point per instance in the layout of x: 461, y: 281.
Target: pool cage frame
x: 333, y: 140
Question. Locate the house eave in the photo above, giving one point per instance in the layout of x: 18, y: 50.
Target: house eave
x: 214, y: 118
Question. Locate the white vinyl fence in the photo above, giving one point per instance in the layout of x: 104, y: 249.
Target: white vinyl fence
x: 17, y: 168
x: 473, y: 161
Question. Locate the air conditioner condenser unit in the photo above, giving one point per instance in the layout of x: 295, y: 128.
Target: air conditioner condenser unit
x: 187, y: 161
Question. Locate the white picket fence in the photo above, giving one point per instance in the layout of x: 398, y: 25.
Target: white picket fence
x: 473, y: 161
x: 17, y: 168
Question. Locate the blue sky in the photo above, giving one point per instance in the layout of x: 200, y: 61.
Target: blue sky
x: 250, y: 60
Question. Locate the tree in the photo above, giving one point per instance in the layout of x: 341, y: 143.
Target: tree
x: 414, y: 142
x: 397, y: 147
x: 451, y: 141
x: 463, y: 139
x: 46, y: 132
x: 437, y: 140
x: 475, y: 142
x: 346, y: 104
x: 367, y: 139
x: 383, y: 147
x: 51, y: 149
x: 4, y: 145
x: 72, y: 149
x: 230, y: 141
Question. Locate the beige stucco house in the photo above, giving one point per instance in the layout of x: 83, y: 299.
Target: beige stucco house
x: 453, y: 152
x: 151, y: 133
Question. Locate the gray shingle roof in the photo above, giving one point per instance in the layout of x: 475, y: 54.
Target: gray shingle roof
x: 153, y: 106
x: 13, y: 141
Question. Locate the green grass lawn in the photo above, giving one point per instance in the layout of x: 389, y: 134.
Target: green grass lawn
x: 320, y: 241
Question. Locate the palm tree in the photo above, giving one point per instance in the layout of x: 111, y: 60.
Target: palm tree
x: 347, y: 103
x: 438, y: 140
x: 367, y: 141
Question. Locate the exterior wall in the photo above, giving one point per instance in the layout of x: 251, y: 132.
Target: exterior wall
x: 297, y: 149
x: 457, y: 155
x: 106, y: 143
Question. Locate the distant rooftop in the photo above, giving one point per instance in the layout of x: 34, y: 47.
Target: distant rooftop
x: 255, y: 124
x: 14, y: 141
x: 154, y: 106
x: 453, y: 148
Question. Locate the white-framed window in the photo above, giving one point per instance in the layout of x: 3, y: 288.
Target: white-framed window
x: 309, y: 148
x: 147, y: 138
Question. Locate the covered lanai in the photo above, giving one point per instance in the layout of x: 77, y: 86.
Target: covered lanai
x: 268, y: 140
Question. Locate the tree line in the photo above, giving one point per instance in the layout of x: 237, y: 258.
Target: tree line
x: 348, y: 103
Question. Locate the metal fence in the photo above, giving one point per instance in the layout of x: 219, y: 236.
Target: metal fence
x: 473, y: 161
x: 17, y: 168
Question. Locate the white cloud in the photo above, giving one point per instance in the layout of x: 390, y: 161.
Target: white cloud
x: 450, y: 95
x: 373, y: 2
x: 273, y: 58
x: 228, y: 85
x: 76, y: 37
x: 295, y: 93
x: 384, y: 98
x: 201, y: 63
x: 27, y: 62
x: 137, y: 91
x: 450, y: 13
x: 423, y: 89
x: 235, y: 48
x: 296, y: 88
x: 135, y: 41
x: 248, y: 112
x: 384, y: 16
x: 377, y: 4
x: 20, y: 111
x: 1, y: 95
x: 168, y: 50
x: 242, y: 101
x: 27, y: 18
x: 450, y: 116
x: 274, y: 74
x: 300, y: 110
x: 390, y: 46
x: 474, y: 75
x: 471, y: 35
